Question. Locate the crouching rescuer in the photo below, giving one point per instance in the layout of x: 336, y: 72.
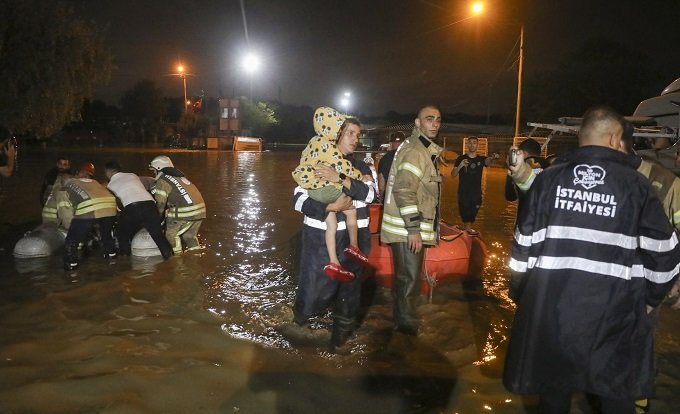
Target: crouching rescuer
x: 179, y: 202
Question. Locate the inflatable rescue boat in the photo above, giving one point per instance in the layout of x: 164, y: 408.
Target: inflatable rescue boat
x: 42, y: 241
x: 457, y: 255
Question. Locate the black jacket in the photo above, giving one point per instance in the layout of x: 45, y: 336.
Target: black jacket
x: 316, y: 291
x: 592, y: 248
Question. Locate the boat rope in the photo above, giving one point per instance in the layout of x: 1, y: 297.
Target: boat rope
x: 429, y: 278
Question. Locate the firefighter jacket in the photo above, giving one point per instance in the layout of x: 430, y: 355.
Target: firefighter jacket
x: 316, y: 291
x: 177, y: 197
x: 84, y: 198
x: 667, y: 187
x: 664, y: 182
x: 49, y: 210
x: 592, y: 248
x: 413, y: 191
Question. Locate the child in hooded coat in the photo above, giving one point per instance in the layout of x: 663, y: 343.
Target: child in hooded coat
x: 322, y: 149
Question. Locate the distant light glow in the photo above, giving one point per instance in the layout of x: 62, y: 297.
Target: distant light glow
x: 477, y: 7
x: 180, y: 69
x: 345, y: 100
x: 251, y: 63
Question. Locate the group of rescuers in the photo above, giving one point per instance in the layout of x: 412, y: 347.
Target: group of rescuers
x: 587, y: 276
x: 168, y: 206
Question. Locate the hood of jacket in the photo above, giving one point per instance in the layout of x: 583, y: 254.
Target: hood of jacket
x: 327, y: 122
x: 172, y: 171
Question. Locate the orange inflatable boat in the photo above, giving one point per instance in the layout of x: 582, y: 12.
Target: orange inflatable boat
x: 457, y: 255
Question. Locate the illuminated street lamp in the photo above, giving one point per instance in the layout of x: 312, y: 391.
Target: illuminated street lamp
x: 345, y: 101
x: 477, y: 8
x: 251, y: 64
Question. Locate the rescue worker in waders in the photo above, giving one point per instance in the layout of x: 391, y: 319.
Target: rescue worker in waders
x: 316, y: 290
x: 83, y: 203
x: 179, y: 202
x: 411, y: 214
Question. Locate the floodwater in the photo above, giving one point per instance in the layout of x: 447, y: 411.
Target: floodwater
x: 209, y: 331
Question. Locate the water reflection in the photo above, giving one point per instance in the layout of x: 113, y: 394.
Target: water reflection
x: 204, y: 326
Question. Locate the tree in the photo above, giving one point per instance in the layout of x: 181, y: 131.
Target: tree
x: 50, y: 62
x: 257, y: 116
x: 192, y: 124
x: 294, y: 123
x: 143, y: 102
x: 144, y: 106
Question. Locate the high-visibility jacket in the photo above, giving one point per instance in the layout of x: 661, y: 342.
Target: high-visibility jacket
x: 667, y: 187
x: 177, y: 197
x: 49, y: 210
x: 411, y: 202
x: 84, y: 198
x: 664, y: 182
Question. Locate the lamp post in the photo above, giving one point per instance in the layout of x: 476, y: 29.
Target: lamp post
x: 477, y: 9
x: 183, y: 75
x: 519, y: 80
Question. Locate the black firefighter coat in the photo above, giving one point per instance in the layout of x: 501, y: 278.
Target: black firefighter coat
x: 591, y: 250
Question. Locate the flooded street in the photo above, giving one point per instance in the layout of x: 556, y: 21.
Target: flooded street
x: 205, y: 332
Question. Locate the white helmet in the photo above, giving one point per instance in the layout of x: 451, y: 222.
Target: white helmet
x: 160, y: 162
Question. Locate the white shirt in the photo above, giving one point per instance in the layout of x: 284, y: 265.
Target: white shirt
x: 128, y: 188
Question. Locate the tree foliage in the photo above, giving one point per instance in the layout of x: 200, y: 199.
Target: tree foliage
x: 192, y: 124
x: 50, y: 62
x: 257, y: 116
x: 144, y: 102
x: 144, y: 106
x: 294, y: 123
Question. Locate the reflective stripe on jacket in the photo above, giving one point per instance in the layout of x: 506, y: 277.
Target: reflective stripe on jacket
x: 84, y: 198
x: 413, y: 191
x: 177, y: 197
x: 592, y: 249
x: 667, y: 187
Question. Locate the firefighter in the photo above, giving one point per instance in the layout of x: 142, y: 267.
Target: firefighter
x: 83, y: 203
x: 179, y: 202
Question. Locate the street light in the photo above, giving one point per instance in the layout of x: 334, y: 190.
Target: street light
x: 344, y: 101
x: 183, y: 75
x: 251, y: 64
x: 477, y: 8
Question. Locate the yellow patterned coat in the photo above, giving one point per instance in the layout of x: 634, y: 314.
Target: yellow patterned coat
x: 322, y: 149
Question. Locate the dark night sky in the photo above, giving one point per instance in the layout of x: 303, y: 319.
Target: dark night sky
x: 392, y: 54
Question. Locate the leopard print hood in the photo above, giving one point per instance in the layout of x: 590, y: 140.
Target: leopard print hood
x: 327, y: 122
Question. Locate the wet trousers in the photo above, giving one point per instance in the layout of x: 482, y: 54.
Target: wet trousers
x: 407, y: 269
x: 468, y: 207
x: 177, y: 231
x: 81, y: 228
x: 317, y: 292
x: 135, y: 216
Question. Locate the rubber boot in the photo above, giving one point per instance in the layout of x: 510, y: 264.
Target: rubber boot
x: 71, y: 256
x: 339, y: 338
